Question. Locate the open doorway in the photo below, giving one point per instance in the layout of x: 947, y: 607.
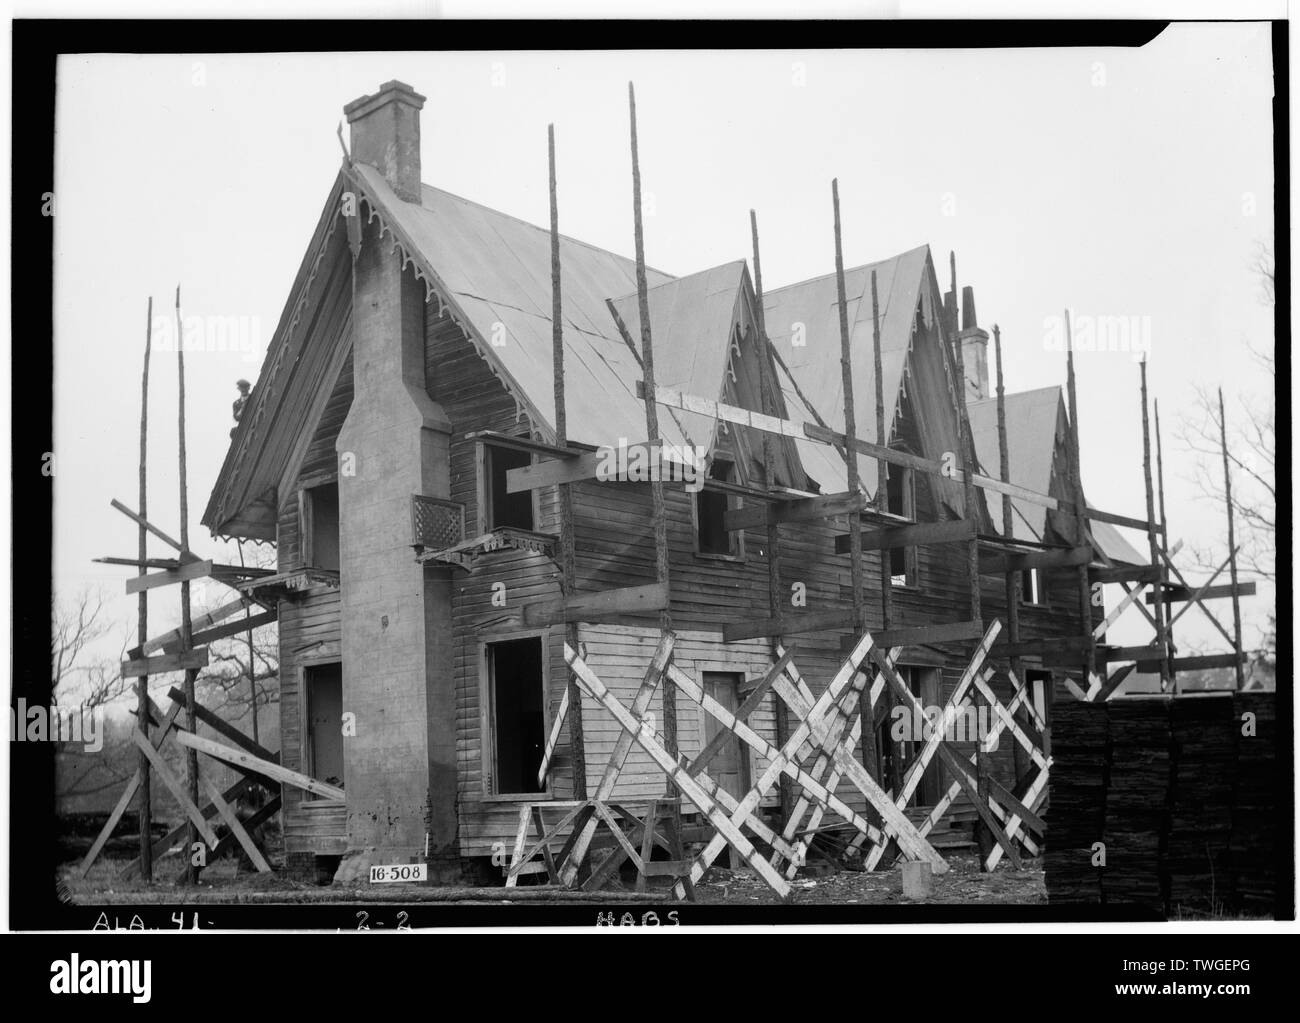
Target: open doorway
x: 323, y: 689
x: 516, y: 694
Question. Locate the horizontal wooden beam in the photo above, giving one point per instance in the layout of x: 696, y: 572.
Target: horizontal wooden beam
x: 1175, y: 592
x: 581, y: 467
x: 1042, y: 647
x: 1128, y: 653
x: 953, y: 632
x: 594, y: 607
x: 789, y: 625
x: 807, y: 509
x: 259, y: 766
x: 169, y: 639
x: 1001, y: 564
x: 137, y: 563
x: 161, y: 665
x: 1201, y: 662
x: 187, y: 572
x: 526, y: 444
x: 1126, y: 574
x: 920, y: 534
x: 1123, y: 520
x: 234, y: 628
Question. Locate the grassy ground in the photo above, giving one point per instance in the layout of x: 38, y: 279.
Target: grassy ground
x: 222, y: 882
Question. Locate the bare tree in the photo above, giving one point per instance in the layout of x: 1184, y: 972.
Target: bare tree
x: 1252, y: 454
x: 77, y: 673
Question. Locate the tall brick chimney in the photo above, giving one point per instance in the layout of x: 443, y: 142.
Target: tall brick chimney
x: 400, y: 766
x: 974, y: 348
x: 386, y: 135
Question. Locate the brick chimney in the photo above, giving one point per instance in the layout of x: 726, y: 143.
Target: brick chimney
x: 386, y: 135
x: 398, y: 666
x: 974, y: 348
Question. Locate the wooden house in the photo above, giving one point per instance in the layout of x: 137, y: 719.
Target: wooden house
x: 409, y: 387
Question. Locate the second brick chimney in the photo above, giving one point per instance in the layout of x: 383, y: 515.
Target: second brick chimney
x: 386, y: 135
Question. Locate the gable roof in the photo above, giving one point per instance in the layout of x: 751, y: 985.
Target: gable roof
x: 809, y: 313
x: 1035, y: 420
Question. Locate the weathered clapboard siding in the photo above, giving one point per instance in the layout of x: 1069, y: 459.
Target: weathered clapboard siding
x: 474, y: 399
x: 310, y: 632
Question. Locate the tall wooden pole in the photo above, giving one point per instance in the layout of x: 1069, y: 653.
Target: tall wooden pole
x: 1080, y: 512
x: 850, y: 419
x: 568, y: 556
x: 142, y: 630
x: 983, y: 837
x: 1232, y: 545
x: 1153, y: 541
x: 669, y: 690
x: 187, y: 626
x: 1012, y: 580
x: 1164, y: 523
x: 882, y: 467
x: 252, y: 667
x: 775, y: 598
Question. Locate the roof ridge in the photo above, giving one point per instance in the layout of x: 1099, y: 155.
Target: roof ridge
x: 848, y: 270
x: 539, y: 228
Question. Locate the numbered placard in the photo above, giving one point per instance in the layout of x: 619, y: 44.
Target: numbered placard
x: 399, y: 872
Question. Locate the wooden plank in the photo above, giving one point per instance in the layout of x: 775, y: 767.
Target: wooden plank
x: 1043, y: 647
x: 553, y: 738
x: 223, y: 727
x: 1113, y: 682
x: 1175, y: 593
x: 1199, y: 663
x: 806, y: 509
x: 174, y: 784
x: 586, y: 466
x: 128, y: 793
x: 236, y: 829
x: 921, y: 634
x: 1123, y: 520
x: 921, y: 534
x: 986, y: 815
x: 1004, y: 563
x: 596, y: 607
x: 192, y: 570
x: 136, y: 563
x: 788, y: 625
x: 688, y: 786
x: 234, y: 628
x: 168, y: 639
x: 622, y: 747
x: 810, y: 431
x: 1126, y: 574
x: 164, y: 663
x: 257, y: 764
x: 141, y: 521
x: 525, y: 444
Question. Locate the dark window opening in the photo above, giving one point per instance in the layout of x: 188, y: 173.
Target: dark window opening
x: 900, y: 497
x: 324, y: 686
x: 517, y: 691
x: 319, y: 519
x: 712, y: 536
x: 502, y: 508
x: 1032, y: 588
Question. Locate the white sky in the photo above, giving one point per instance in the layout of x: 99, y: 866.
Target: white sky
x: 1112, y: 181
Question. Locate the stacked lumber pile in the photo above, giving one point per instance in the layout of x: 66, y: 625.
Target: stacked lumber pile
x: 1200, y: 804
x: 1252, y: 848
x: 1137, y: 784
x: 1184, y: 802
x: 1076, y: 815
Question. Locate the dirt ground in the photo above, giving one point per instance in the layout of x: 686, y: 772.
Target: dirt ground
x: 963, y: 884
